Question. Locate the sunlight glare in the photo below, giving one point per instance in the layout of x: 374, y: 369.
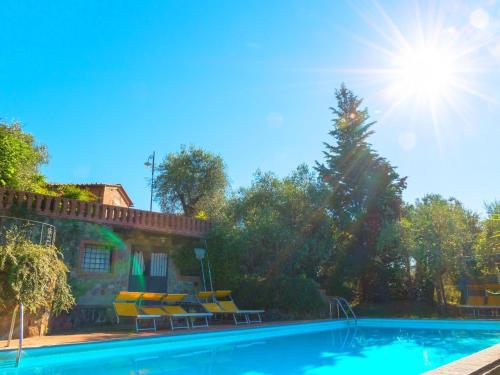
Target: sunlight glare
x: 428, y: 67
x: 426, y: 72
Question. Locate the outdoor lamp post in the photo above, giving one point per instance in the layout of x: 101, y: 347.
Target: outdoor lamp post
x: 151, y: 163
x: 200, y: 254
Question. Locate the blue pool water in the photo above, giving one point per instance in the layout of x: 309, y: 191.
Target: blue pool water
x: 374, y: 346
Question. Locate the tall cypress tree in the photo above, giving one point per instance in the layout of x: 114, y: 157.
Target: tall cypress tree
x: 365, y: 192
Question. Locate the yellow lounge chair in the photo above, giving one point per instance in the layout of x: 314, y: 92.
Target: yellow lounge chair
x: 482, y: 299
x: 212, y: 307
x: 493, y: 301
x: 174, y: 311
x: 227, y: 305
x: 126, y: 305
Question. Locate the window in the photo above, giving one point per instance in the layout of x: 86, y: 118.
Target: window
x: 96, y: 259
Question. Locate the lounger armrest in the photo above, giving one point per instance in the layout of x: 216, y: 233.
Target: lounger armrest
x: 142, y: 316
x: 251, y: 311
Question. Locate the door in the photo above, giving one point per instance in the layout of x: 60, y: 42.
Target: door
x: 149, y: 271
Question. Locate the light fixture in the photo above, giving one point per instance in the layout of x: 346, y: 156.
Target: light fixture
x: 199, y: 253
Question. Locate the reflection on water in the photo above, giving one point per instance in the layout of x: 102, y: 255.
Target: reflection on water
x: 357, y: 350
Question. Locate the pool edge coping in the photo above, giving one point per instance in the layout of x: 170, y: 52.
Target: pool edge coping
x: 481, y: 362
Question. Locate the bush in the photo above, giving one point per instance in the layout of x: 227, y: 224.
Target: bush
x: 283, y: 297
x: 32, y: 274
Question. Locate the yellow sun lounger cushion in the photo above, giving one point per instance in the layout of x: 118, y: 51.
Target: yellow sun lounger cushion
x: 155, y: 297
x: 128, y: 296
x: 154, y: 310
x: 175, y: 297
x: 222, y: 293
x: 204, y: 295
x: 229, y: 306
x: 212, y: 307
x: 126, y: 309
x: 175, y: 310
x: 494, y: 300
x: 476, y: 300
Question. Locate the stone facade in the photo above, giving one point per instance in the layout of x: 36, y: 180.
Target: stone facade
x: 95, y: 291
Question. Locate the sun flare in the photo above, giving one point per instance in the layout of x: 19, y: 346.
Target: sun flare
x: 426, y: 69
x: 425, y: 72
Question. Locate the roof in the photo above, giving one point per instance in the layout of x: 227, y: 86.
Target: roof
x: 99, y: 184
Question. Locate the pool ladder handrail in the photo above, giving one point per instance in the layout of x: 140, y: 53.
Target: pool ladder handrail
x: 342, y: 305
x: 19, y: 307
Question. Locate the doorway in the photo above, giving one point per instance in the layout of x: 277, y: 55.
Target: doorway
x: 149, y: 270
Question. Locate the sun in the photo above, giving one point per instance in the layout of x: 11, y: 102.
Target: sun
x: 425, y: 72
x: 425, y: 68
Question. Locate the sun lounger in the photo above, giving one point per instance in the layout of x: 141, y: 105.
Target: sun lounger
x: 482, y: 300
x: 167, y: 305
x: 210, y: 301
x: 226, y: 302
x: 126, y: 306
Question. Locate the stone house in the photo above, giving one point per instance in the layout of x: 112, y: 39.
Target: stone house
x: 110, y: 246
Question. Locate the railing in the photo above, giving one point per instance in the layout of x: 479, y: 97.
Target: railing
x: 65, y: 208
x: 343, y: 306
x: 19, y: 353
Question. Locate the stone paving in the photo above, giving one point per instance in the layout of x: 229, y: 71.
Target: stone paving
x: 75, y: 338
x: 486, y: 361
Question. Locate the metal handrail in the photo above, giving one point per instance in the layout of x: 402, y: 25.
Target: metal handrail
x: 342, y: 304
x: 21, y: 331
x: 21, y: 334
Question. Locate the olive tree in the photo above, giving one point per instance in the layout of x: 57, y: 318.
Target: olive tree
x: 192, y: 181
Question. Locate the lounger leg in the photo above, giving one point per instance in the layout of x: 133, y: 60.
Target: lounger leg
x: 258, y: 320
x: 173, y: 326
x: 138, y: 327
x: 237, y: 322
x: 201, y: 325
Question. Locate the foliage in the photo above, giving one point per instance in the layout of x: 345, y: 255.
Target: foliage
x: 32, y: 274
x: 20, y: 161
x: 282, y: 296
x: 192, y: 181
x: 488, y: 244
x: 443, y: 236
x: 67, y: 191
x: 20, y: 158
x: 365, y: 197
x: 276, y: 229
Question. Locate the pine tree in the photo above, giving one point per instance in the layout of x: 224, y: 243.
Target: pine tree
x: 365, y: 193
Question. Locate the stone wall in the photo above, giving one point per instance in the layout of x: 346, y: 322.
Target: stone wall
x: 95, y: 288
x: 95, y: 292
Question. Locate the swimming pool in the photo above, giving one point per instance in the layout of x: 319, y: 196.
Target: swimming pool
x: 389, y: 346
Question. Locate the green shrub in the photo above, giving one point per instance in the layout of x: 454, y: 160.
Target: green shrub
x: 283, y: 297
x: 32, y: 274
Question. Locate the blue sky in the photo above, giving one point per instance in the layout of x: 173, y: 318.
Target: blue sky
x: 104, y: 83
